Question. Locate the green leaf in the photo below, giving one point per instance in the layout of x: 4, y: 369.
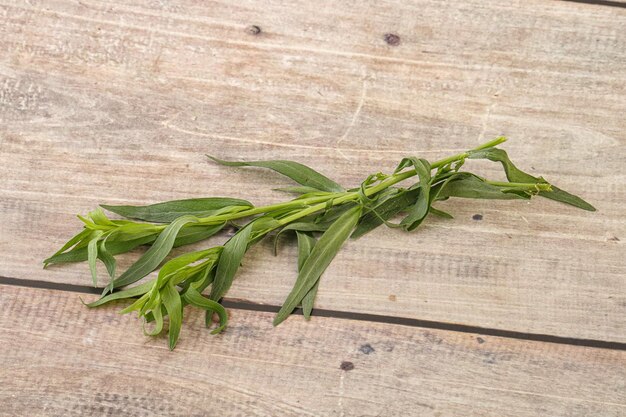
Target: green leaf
x: 201, y: 275
x: 333, y: 213
x: 440, y: 213
x: 92, y: 256
x: 70, y: 243
x: 153, y: 256
x: 309, y: 300
x: 261, y: 227
x: 99, y: 218
x: 175, y: 271
x: 138, y: 305
x: 126, y: 230
x: 300, y: 173
x: 563, y: 196
x: 302, y: 227
x: 420, y: 209
x: 157, y: 317
x: 186, y: 236
x: 514, y: 174
x: 196, y: 233
x: 168, y: 211
x: 306, y: 243
x: 107, y: 259
x: 229, y: 262
x: 193, y: 297
x: 173, y: 266
x: 470, y: 186
x: 203, y: 280
x: 319, y: 259
x: 114, y: 248
x: 125, y: 294
x: 171, y: 301
x: 385, y: 210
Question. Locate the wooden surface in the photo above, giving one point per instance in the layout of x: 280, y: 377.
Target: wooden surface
x: 292, y: 370
x: 117, y: 102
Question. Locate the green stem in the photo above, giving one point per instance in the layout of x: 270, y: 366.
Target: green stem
x: 530, y: 186
x: 305, y: 202
x: 393, y: 179
x: 313, y: 204
x: 396, y: 178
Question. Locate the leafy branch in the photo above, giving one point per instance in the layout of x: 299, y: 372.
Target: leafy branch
x: 323, y: 216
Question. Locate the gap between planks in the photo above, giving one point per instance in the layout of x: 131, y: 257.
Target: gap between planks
x: 347, y: 315
x: 608, y: 3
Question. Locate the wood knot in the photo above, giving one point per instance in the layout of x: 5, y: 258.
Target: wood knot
x: 367, y: 349
x: 346, y: 366
x: 392, y: 39
x: 253, y: 30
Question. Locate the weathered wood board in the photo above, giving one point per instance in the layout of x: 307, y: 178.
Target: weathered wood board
x: 118, y: 102
x: 101, y: 364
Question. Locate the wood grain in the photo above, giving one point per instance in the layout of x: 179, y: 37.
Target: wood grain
x: 118, y: 102
x: 59, y: 358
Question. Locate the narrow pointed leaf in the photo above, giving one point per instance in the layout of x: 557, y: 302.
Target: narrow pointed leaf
x: 306, y: 243
x: 157, y: 317
x: 107, y: 259
x: 153, y: 256
x: 333, y: 213
x: 171, y: 301
x: 171, y: 267
x: 260, y: 227
x: 515, y: 174
x: 563, y: 196
x: 99, y: 218
x: 114, y: 248
x: 229, y: 262
x: 92, y: 256
x: 204, y: 280
x: 385, y: 211
x: 168, y: 211
x: 322, y: 254
x: 186, y: 236
x: 441, y: 213
x: 70, y: 243
x: 298, y: 172
x: 302, y: 227
x: 138, y: 305
x: 193, y: 234
x: 202, y: 276
x: 125, y: 294
x: 473, y: 187
x: 309, y: 300
x: 420, y: 209
x: 193, y: 297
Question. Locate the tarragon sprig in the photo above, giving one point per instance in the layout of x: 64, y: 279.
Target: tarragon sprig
x: 323, y: 216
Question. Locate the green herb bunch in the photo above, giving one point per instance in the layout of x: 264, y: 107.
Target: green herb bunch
x: 323, y: 216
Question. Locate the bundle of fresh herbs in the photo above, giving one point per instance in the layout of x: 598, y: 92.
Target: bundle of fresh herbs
x: 323, y: 216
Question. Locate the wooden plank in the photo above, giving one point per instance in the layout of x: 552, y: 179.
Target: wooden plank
x: 59, y: 358
x: 118, y: 103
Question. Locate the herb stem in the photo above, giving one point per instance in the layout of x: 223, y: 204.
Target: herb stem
x: 391, y: 180
x: 265, y: 209
x: 313, y: 204
x: 522, y: 185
